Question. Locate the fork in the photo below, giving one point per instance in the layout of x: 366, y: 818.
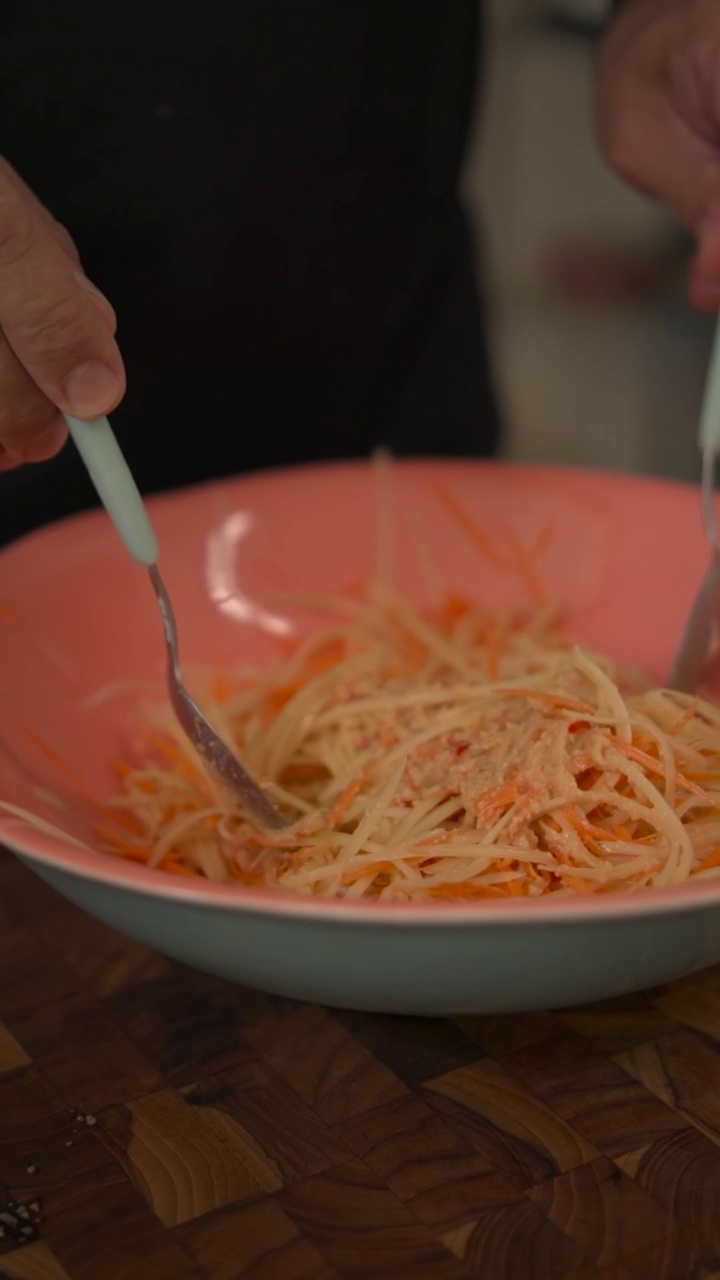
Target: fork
x: 117, y: 490
x: 696, y: 659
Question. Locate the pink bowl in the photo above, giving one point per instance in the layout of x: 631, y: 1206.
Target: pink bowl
x: 81, y: 645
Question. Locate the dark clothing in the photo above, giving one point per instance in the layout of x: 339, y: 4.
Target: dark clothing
x: 266, y: 190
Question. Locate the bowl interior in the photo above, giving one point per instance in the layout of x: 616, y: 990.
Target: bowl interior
x: 80, y: 637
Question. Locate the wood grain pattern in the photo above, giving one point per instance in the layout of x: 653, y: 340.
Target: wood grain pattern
x: 12, y: 1054
x: 513, y: 1242
x: 330, y: 1070
x: 50, y: 1158
x: 257, y: 1242
x: 414, y: 1049
x: 286, y: 1128
x: 499, y: 1034
x: 680, y: 1256
x: 609, y: 1106
x: 157, y: 1124
x: 363, y: 1229
x: 603, y: 1210
x: 36, y: 1262
x: 427, y: 1164
x: 102, y: 960
x: 187, y: 1030
x: 88, y: 1059
x: 695, y: 1007
x: 25, y: 972
x: 681, y: 1171
x: 513, y: 1130
x: 682, y: 1070
x: 187, y: 1160
x: 614, y: 1026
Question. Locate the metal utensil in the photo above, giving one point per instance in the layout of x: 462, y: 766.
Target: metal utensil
x: 109, y: 472
x: 696, y: 662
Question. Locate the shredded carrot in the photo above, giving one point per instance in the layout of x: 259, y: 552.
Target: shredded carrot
x: 560, y: 700
x: 221, y: 688
x: 492, y: 803
x: 455, y: 607
x: 467, y: 889
x: 337, y: 813
x: 685, y: 719
x: 119, y: 817
x: 515, y: 889
x: 133, y: 852
x: 468, y: 526
x: 712, y: 860
x: 652, y: 765
x: 578, y: 884
x: 173, y: 863
x: 175, y: 756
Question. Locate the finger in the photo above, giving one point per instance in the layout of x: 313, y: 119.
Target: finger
x: 55, y: 327
x: 63, y: 237
x: 61, y: 233
x: 107, y: 311
x: 661, y: 156
x: 45, y: 444
x: 31, y: 428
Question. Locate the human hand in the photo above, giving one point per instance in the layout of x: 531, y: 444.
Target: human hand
x: 57, y: 331
x: 658, y: 118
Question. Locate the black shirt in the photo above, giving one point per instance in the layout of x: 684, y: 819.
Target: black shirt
x: 266, y: 190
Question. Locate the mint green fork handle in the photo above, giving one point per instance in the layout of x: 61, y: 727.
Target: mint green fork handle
x: 118, y: 492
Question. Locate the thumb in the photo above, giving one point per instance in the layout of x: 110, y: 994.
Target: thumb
x: 56, y: 328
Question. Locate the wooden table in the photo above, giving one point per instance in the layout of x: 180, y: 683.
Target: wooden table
x: 156, y: 1124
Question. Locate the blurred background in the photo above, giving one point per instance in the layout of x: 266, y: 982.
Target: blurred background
x: 599, y: 359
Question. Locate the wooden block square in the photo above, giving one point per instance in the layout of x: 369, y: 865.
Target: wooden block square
x: 426, y: 1163
x: 12, y: 1054
x: 288, y: 1131
x: 186, y: 1160
x: 591, y: 1092
x: 514, y: 1131
x: 331, y: 1071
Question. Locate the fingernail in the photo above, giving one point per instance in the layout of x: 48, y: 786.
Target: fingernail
x: 91, y: 388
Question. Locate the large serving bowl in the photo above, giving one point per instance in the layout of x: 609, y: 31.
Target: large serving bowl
x: 81, y: 650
